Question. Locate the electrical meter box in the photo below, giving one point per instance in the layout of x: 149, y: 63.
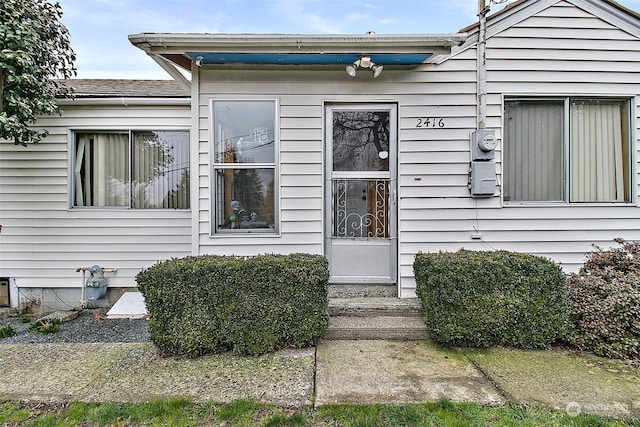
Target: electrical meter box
x: 483, y: 179
x: 483, y: 145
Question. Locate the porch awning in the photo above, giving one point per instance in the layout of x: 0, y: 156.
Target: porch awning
x: 183, y: 49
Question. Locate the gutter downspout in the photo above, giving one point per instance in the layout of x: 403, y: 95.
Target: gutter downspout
x: 483, y: 9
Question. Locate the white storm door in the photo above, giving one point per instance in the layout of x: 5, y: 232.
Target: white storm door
x: 360, y: 188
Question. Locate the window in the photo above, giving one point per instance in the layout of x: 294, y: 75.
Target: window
x: 571, y: 150
x: 244, y: 166
x: 131, y: 169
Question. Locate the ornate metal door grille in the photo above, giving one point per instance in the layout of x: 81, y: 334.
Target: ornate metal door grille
x: 361, y: 208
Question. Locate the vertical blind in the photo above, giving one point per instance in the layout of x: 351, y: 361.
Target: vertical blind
x: 533, y: 151
x: 598, y: 151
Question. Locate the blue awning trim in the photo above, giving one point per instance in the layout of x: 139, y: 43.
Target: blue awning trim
x: 219, y: 58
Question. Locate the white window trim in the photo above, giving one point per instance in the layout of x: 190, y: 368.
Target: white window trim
x: 633, y: 201
x: 213, y: 166
x: 71, y: 161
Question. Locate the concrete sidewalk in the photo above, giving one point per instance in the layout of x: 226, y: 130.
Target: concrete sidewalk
x: 394, y: 372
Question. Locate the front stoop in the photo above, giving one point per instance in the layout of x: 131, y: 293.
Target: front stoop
x: 339, y: 290
x: 366, y: 312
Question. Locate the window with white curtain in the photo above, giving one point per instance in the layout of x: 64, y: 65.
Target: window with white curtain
x: 131, y: 169
x: 569, y: 150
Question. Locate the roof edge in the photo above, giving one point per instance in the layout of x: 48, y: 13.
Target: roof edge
x: 290, y: 42
x: 621, y: 9
x: 125, y: 101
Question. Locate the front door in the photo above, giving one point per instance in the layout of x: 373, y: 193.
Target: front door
x: 361, y: 192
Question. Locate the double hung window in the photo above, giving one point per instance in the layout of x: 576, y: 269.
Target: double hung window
x: 244, y: 166
x: 569, y: 150
x: 131, y: 169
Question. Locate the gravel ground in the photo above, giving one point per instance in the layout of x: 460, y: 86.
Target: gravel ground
x: 89, y: 327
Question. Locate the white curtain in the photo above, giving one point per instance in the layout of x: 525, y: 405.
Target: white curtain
x: 101, y: 171
x: 598, y: 151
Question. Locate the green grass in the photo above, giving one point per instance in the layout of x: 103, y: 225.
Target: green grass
x: 240, y: 413
x: 7, y: 331
x: 45, y: 326
x: 13, y: 413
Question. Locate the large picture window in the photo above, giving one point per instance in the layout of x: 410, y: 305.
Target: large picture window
x: 131, y: 169
x: 570, y: 150
x: 244, y: 166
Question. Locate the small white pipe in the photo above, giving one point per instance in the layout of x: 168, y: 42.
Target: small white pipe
x: 107, y: 270
x: 83, y: 300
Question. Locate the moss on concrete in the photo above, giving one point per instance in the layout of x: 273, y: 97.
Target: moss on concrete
x: 283, y: 378
x: 396, y: 372
x: 564, y: 380
x: 136, y: 372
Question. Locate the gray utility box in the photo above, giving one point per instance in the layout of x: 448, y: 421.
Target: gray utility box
x: 96, y: 285
x: 96, y: 288
x: 483, y: 179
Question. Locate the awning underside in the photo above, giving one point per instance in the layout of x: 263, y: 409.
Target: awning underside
x: 219, y: 58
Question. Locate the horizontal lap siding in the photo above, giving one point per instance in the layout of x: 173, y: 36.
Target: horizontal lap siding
x: 434, y: 162
x: 428, y: 91
x: 561, y: 51
x: 300, y: 165
x: 43, y: 242
x: 585, y: 56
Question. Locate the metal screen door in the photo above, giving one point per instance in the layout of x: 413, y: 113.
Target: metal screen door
x: 361, y: 192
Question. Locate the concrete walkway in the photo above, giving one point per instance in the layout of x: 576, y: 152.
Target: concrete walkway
x: 394, y: 372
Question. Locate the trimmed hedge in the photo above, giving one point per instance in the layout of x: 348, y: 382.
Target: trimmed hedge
x: 605, y: 297
x: 482, y: 299
x: 213, y: 304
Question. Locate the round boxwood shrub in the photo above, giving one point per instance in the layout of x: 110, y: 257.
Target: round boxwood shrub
x: 482, y: 299
x: 605, y: 298
x: 250, y: 305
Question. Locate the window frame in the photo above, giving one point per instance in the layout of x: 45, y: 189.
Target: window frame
x: 130, y: 132
x: 214, y: 166
x: 566, y: 148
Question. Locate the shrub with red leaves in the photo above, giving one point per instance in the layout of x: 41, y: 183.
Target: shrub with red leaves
x: 605, y: 298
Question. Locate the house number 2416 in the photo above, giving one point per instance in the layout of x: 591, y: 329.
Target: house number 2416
x: 430, y: 122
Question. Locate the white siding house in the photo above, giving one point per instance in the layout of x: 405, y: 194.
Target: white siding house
x: 46, y: 235
x: 288, y: 149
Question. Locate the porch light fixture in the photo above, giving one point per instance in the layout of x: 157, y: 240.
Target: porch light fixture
x: 377, y: 70
x: 199, y: 61
x: 364, y: 62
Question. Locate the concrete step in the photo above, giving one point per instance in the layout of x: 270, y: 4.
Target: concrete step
x: 373, y: 311
x: 375, y: 306
x: 130, y: 305
x: 376, y: 328
x: 362, y: 290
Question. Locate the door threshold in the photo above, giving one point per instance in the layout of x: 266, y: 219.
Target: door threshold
x: 348, y: 280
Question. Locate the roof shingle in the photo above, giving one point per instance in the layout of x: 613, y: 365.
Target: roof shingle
x: 105, y: 88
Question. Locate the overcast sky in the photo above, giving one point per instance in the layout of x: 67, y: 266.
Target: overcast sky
x: 99, y: 28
